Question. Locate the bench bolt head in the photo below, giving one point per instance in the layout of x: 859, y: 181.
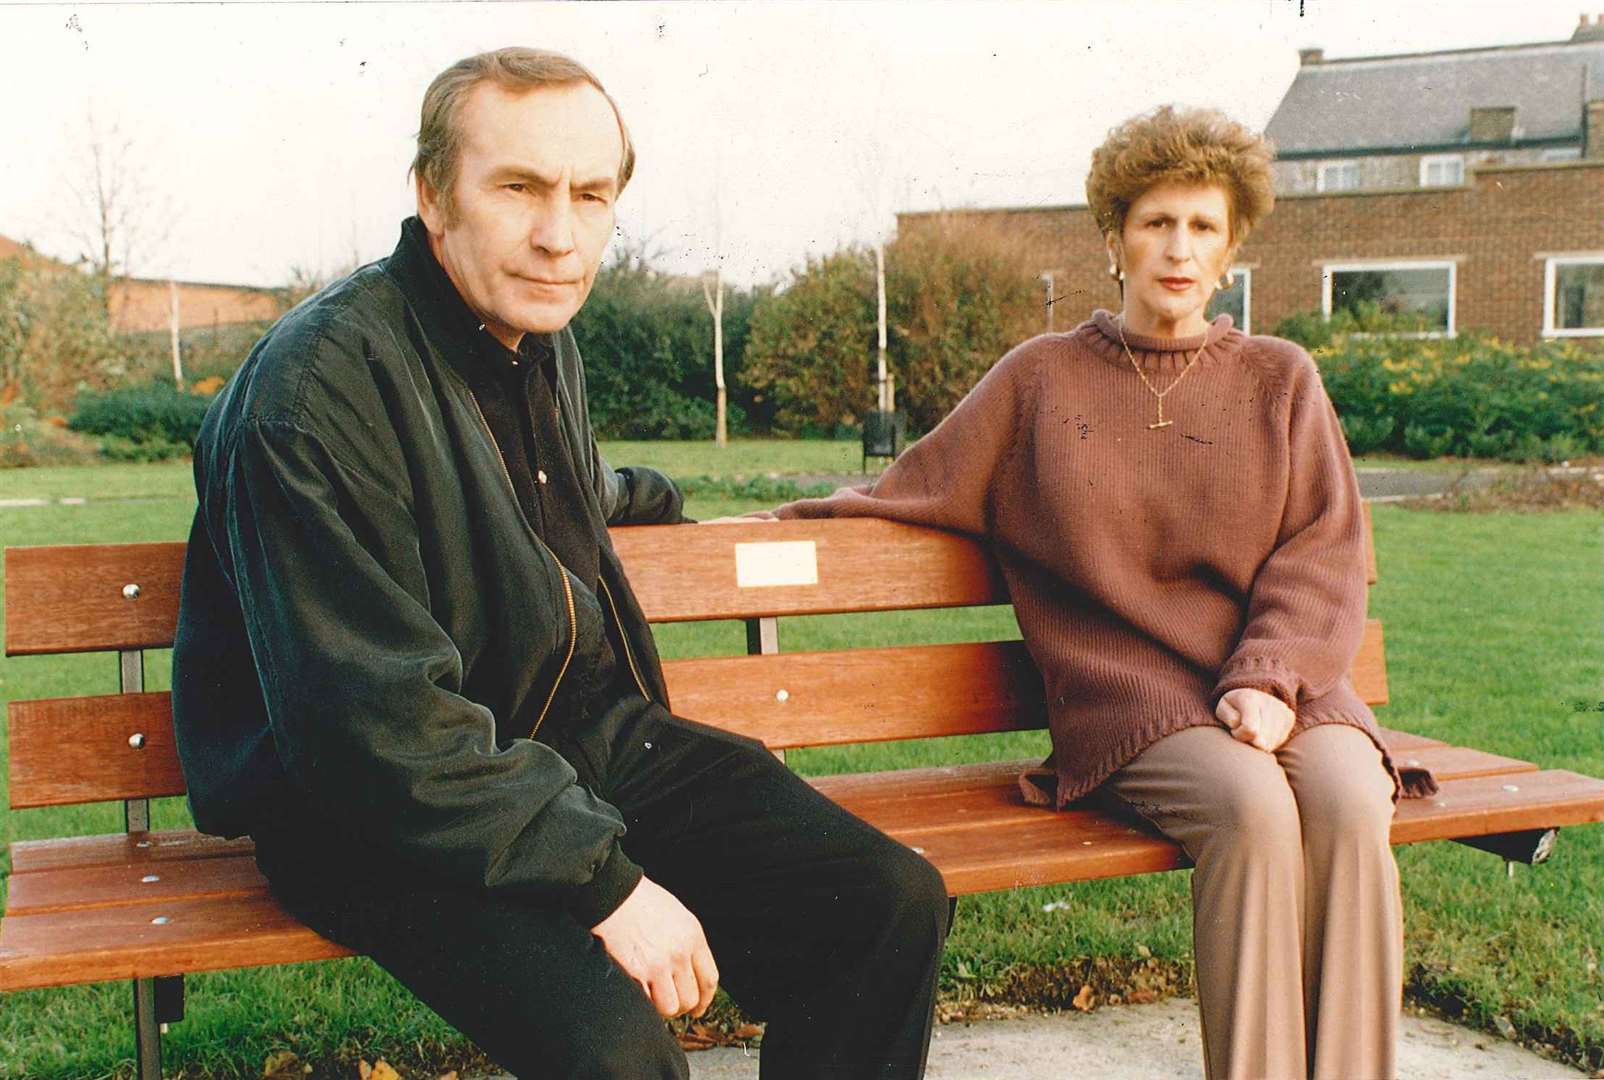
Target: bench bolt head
x: 782, y: 695
x: 160, y: 920
x: 137, y: 740
x: 150, y: 879
x: 131, y: 591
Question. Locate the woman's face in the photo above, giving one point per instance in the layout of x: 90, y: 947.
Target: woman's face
x: 1175, y: 247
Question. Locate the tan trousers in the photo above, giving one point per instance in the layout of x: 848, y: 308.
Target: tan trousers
x: 1297, y: 923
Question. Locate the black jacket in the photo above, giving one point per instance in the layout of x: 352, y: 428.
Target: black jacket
x: 364, y: 603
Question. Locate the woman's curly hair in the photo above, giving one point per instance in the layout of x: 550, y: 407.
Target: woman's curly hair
x: 1192, y: 146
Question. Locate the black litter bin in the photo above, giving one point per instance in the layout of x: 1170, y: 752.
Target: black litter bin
x: 883, y: 435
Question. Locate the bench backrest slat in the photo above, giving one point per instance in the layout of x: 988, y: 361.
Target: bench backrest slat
x: 76, y: 750
x: 72, y: 598
x: 78, y: 599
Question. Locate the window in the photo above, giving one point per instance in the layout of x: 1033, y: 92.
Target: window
x: 1573, y: 296
x: 1442, y: 170
x: 1237, y: 301
x: 1337, y: 176
x: 1409, y: 298
x: 1562, y: 153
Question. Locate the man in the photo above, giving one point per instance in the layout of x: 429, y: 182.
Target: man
x: 409, y: 664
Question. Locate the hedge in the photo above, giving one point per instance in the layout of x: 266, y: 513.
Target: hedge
x: 1470, y: 396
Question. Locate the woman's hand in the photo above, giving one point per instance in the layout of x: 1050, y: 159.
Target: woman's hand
x: 1254, y: 717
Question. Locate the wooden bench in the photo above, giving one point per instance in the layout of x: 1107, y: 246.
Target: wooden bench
x: 152, y: 906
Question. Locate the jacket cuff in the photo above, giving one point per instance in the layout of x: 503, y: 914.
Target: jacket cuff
x: 1259, y: 673
x: 651, y: 498
x: 609, y: 887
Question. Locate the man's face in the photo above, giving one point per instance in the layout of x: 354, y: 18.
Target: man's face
x: 536, y: 182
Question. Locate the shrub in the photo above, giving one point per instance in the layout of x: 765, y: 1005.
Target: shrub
x: 813, y: 343
x: 27, y: 440
x: 957, y: 298
x: 1471, y: 396
x: 156, y: 415
x: 1367, y: 433
x: 647, y: 339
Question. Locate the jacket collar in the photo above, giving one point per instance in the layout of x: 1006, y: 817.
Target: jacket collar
x: 446, y: 316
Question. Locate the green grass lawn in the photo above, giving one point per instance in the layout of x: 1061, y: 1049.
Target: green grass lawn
x: 1495, y: 633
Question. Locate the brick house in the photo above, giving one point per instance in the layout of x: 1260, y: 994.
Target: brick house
x: 144, y: 305
x: 1446, y: 191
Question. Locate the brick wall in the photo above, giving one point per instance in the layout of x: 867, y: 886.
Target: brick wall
x: 1493, y: 229
x: 138, y: 305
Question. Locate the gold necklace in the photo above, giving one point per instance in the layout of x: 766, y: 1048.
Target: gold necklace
x: 1156, y: 392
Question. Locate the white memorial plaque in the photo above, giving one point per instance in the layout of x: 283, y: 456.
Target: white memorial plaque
x: 786, y: 562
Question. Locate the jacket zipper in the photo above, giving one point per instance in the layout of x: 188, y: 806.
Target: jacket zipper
x: 568, y: 589
x: 623, y: 636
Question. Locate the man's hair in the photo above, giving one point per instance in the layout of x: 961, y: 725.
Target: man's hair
x: 1192, y: 146
x: 515, y: 69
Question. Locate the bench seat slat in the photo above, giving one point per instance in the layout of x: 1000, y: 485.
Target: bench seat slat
x: 81, y: 888
x: 1483, y: 805
x: 101, y: 944
x: 101, y: 870
x: 967, y: 820
x: 867, y: 793
x: 123, y: 849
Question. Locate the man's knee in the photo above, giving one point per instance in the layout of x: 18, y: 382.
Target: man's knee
x: 906, y: 891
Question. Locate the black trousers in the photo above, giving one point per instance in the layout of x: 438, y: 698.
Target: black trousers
x: 819, y: 924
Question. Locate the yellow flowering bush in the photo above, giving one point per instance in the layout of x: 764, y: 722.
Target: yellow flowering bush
x: 1470, y: 396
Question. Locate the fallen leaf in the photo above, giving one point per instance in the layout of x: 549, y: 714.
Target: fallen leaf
x: 1083, y: 1000
x: 282, y: 1065
x: 452, y: 1075
x: 1505, y: 1028
x: 382, y: 1070
x: 748, y: 1031
x: 1141, y: 997
x: 691, y: 1042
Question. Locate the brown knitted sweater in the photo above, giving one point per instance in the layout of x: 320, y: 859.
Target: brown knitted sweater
x: 1151, y: 571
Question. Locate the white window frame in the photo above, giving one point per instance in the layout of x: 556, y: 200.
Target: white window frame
x: 1328, y: 270
x: 1428, y: 160
x: 1561, y: 153
x: 1551, y: 267
x: 1344, y: 163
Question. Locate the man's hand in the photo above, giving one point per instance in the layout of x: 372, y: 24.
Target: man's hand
x: 1254, y: 717
x: 660, y: 945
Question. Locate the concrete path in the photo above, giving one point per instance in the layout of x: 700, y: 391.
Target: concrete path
x: 1154, y: 1042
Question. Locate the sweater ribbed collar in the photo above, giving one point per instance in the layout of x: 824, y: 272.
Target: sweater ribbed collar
x: 1221, y: 339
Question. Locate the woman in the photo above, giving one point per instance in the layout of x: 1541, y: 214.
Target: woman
x: 1174, y: 509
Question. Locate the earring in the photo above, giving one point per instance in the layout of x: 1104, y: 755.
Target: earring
x: 1114, y: 271
x: 1229, y: 279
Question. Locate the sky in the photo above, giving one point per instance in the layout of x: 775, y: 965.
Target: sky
x: 273, y: 137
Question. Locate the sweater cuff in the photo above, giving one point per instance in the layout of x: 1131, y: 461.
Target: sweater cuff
x: 611, y: 885
x: 1259, y: 673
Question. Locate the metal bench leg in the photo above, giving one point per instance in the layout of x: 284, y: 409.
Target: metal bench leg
x: 1530, y: 846
x: 147, y: 1032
